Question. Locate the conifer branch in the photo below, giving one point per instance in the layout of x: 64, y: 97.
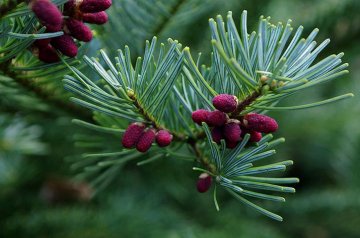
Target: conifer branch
x: 246, y: 102
x: 200, y: 157
x: 165, y: 21
x: 177, y: 136
x: 164, y: 88
x: 48, y: 97
x: 7, y: 7
x: 45, y: 95
x: 152, y: 120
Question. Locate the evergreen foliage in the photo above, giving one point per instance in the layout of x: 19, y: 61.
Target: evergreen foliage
x: 166, y: 84
x: 156, y: 80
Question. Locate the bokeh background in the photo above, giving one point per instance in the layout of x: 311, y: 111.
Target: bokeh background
x: 160, y: 199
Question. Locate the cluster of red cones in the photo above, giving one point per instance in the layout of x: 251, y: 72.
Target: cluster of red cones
x: 139, y: 137
x: 233, y: 130
x: 77, y: 13
x: 230, y: 129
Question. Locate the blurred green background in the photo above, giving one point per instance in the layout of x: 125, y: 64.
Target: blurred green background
x: 160, y: 200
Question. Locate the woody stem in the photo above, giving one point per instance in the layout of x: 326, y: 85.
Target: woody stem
x: 151, y: 120
x: 246, y: 102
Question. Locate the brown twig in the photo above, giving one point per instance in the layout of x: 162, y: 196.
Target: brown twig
x: 201, y: 158
x: 151, y: 120
x: 246, y: 102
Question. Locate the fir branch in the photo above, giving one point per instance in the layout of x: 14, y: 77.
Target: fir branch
x: 152, y: 121
x: 246, y: 102
x: 45, y: 95
x: 7, y: 7
x: 8, y: 69
x: 200, y: 156
x: 145, y: 114
x: 154, y: 90
x: 166, y: 21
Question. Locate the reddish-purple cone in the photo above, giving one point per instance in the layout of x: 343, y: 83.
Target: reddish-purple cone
x: 163, y: 138
x: 217, y: 134
x: 225, y: 102
x: 199, y: 116
x: 48, y: 14
x: 231, y: 144
x: 95, y: 18
x: 260, y: 123
x: 216, y: 118
x: 48, y: 54
x: 204, y: 183
x: 92, y: 6
x: 42, y: 42
x: 79, y: 30
x: 65, y: 44
x: 255, y: 136
x: 146, y: 140
x: 132, y: 134
x: 232, y: 132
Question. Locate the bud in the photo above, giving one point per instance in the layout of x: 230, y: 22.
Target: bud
x: 274, y: 84
x: 232, y: 132
x: 216, y: 118
x: 231, y: 144
x: 130, y: 93
x: 280, y: 84
x: 225, y: 102
x: 48, y: 14
x: 255, y: 136
x: 65, y: 44
x: 79, y: 30
x: 146, y: 140
x: 48, y: 54
x: 263, y: 79
x: 163, y: 138
x: 204, y: 183
x: 260, y: 123
x: 95, y: 18
x: 92, y: 6
x: 42, y: 42
x: 61, y: 190
x: 217, y: 134
x: 199, y: 116
x: 265, y: 89
x: 132, y: 134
